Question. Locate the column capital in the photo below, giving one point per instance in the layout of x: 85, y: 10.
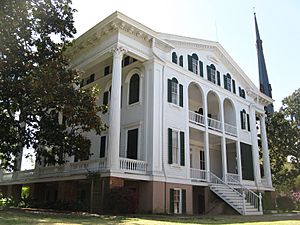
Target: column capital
x: 118, y: 51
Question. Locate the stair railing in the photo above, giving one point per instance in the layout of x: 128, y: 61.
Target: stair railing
x: 216, y: 180
x: 250, y: 196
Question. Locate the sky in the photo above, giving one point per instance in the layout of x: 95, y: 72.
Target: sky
x: 229, y: 22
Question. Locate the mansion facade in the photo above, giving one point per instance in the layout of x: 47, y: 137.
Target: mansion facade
x: 186, y: 126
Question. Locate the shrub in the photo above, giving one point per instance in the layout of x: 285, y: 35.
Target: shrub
x: 284, y: 203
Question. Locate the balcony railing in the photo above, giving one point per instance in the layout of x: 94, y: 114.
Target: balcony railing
x: 214, y: 124
x: 197, y: 118
x: 197, y: 174
x: 230, y: 129
x: 133, y: 166
x: 232, y: 178
x: 55, y: 171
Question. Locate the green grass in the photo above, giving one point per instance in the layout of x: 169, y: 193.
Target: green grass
x: 33, y: 217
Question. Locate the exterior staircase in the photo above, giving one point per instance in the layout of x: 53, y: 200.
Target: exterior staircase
x: 243, y: 200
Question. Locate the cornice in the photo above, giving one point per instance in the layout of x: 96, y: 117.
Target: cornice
x: 259, y: 97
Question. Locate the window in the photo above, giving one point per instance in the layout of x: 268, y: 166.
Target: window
x: 211, y: 73
x: 181, y: 61
x: 227, y: 82
x: 247, y: 163
x: 202, y: 160
x: 193, y: 63
x: 178, y: 201
x: 102, y: 146
x: 132, y: 143
x: 134, y: 89
x: 173, y: 95
x: 242, y: 92
x: 106, y: 70
x: 174, y: 58
x: 176, y: 147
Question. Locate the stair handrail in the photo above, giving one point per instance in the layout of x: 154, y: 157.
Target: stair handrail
x: 251, y: 197
x: 220, y: 181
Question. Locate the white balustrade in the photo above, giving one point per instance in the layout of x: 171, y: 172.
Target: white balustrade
x: 214, y: 124
x: 230, y: 129
x: 133, y: 166
x: 197, y: 174
x: 233, y: 178
x: 196, y: 118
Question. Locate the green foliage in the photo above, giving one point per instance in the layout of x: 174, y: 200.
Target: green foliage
x: 283, y: 136
x: 41, y: 105
x: 285, y: 203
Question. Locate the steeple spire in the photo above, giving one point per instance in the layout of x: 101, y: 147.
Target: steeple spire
x: 264, y: 85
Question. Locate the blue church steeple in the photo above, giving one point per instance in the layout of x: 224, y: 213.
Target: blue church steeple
x: 264, y: 85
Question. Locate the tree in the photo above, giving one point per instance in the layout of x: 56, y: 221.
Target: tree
x: 284, y: 141
x: 41, y: 105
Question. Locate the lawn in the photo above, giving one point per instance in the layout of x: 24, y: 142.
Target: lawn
x: 34, y: 217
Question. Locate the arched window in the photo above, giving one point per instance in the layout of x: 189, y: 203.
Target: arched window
x: 227, y: 82
x: 211, y: 73
x: 175, y: 92
x: 134, y: 89
x: 193, y: 63
x: 181, y: 61
x: 174, y: 57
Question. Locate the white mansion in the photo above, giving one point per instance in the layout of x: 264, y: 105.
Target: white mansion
x: 183, y: 124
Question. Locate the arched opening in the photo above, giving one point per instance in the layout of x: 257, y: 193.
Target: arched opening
x: 229, y: 117
x: 174, y: 57
x: 196, y: 104
x: 213, y: 111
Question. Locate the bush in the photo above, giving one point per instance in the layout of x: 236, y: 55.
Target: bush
x: 120, y: 200
x: 285, y: 203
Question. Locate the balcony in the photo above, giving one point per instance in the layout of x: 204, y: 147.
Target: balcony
x: 196, y: 118
x: 198, y: 175
x: 230, y: 129
x: 213, y: 124
x: 133, y: 166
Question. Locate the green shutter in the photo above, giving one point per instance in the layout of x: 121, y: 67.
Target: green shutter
x: 105, y: 98
x: 190, y: 67
x: 182, y: 149
x: 181, y: 61
x: 180, y: 95
x: 183, y: 198
x: 248, y: 122
x: 218, y: 78
x: 172, y: 201
x: 225, y: 81
x: 201, y: 68
x: 233, y: 86
x: 242, y: 123
x: 169, y: 90
x: 170, y: 160
x: 208, y: 73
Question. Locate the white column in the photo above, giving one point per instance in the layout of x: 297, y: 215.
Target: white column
x: 255, y: 153
x: 223, y: 144
x: 266, y: 157
x: 115, y: 110
x: 206, y: 141
x: 239, y: 160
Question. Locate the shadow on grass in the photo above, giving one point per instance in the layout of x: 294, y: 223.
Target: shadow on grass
x: 34, y: 217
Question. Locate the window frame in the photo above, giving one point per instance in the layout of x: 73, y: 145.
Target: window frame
x: 138, y: 127
x: 127, y: 82
x: 179, y: 191
x: 138, y: 92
